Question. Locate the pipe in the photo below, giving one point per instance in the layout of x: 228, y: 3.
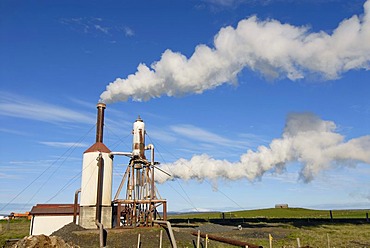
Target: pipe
x: 169, y: 227
x: 99, y: 193
x: 99, y: 197
x: 31, y: 227
x: 101, y: 233
x: 227, y: 240
x: 75, y: 206
x: 100, y: 122
x: 127, y: 154
x: 151, y: 148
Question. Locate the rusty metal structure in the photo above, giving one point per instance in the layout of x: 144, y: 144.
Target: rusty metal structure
x: 142, y: 201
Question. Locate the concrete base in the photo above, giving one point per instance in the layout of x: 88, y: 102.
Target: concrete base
x: 88, y: 214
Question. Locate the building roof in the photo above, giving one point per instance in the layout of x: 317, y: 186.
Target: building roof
x: 54, y: 209
x: 98, y: 147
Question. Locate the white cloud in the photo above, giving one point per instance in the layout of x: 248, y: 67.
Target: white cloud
x: 269, y: 47
x: 21, y: 107
x: 196, y: 133
x: 10, y: 131
x: 308, y: 140
x: 100, y: 28
x: 128, y: 31
x: 63, y: 144
x: 7, y: 176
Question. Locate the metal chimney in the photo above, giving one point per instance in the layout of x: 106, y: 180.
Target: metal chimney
x: 100, y: 122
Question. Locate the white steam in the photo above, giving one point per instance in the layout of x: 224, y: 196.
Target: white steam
x: 269, y: 47
x: 306, y: 139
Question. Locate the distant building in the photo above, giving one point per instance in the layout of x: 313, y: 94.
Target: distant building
x: 281, y: 206
x: 20, y: 215
x: 47, y: 218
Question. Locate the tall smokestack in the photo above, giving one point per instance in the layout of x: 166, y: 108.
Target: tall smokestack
x: 100, y: 122
x: 96, y: 180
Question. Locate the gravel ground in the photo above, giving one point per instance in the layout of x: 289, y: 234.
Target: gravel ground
x: 215, y: 228
x: 74, y: 236
x: 149, y: 237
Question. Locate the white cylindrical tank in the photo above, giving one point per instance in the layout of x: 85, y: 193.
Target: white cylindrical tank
x: 138, y: 142
x: 89, y: 180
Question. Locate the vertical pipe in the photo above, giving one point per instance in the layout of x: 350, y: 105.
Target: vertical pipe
x: 100, y: 122
x: 169, y: 227
x: 102, y: 236
x: 152, y: 167
x: 99, y: 193
x: 118, y: 217
x: 165, y: 211
x: 75, y: 206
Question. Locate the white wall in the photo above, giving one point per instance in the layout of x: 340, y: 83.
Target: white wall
x: 43, y: 224
x: 89, y: 179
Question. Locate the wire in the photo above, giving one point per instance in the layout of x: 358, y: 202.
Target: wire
x: 189, y: 200
x: 75, y: 177
x: 205, y: 179
x: 119, y: 138
x: 51, y: 165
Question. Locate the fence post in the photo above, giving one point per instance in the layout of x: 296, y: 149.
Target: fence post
x: 270, y: 240
x: 198, y: 239
x: 331, y: 215
x: 160, y: 238
x: 138, y: 240
x: 298, y: 243
x: 327, y: 236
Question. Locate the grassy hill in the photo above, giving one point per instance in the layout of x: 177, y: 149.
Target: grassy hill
x: 271, y: 213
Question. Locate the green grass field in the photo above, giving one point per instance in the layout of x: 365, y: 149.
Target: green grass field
x: 312, y: 227
x: 271, y: 213
x: 14, y: 229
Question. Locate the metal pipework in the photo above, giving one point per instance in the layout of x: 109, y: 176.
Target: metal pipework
x: 99, y: 193
x: 100, y: 122
x: 151, y: 147
x: 138, y: 141
x: 102, y: 237
x: 127, y: 154
x: 227, y: 240
x: 75, y: 206
x: 168, y: 224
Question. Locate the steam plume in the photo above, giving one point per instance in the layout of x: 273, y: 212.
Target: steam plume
x: 306, y: 139
x: 268, y: 47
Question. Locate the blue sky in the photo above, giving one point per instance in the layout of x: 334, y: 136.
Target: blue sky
x: 57, y: 58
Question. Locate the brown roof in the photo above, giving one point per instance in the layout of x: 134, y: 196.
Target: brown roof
x: 98, y: 147
x: 53, y: 209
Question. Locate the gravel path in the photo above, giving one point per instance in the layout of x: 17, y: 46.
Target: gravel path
x: 214, y: 228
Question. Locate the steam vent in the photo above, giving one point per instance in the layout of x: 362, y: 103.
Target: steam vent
x: 141, y: 203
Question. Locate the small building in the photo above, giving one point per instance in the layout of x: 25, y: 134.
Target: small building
x: 20, y: 215
x: 47, y: 218
x: 281, y: 205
